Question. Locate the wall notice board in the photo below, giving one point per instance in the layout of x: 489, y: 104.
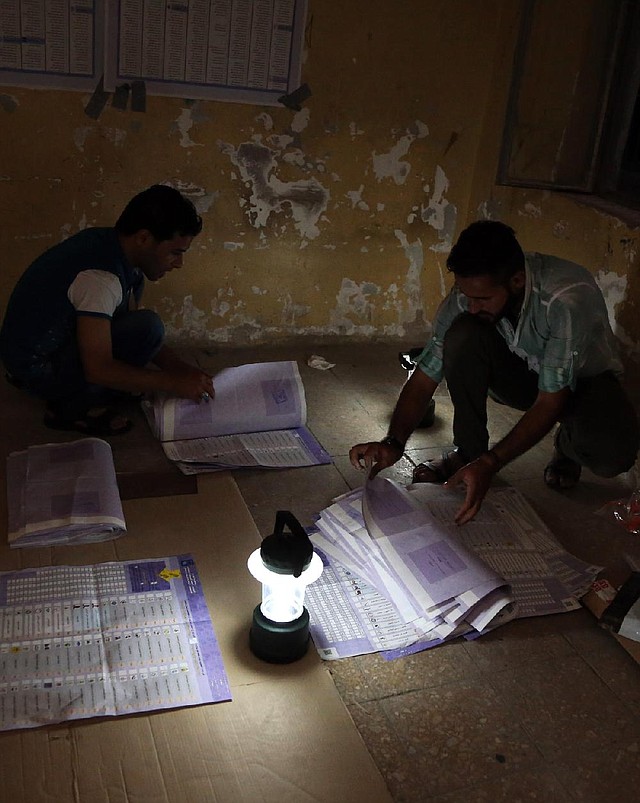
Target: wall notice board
x: 240, y: 50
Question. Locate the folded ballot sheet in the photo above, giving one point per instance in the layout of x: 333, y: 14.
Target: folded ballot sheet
x: 63, y: 493
x: 256, y: 418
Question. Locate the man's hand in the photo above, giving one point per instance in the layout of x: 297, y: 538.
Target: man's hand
x: 192, y: 383
x: 374, y: 456
x: 476, y: 477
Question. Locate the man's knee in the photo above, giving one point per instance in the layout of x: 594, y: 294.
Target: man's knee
x: 137, y: 336
x: 466, y: 335
x: 148, y: 323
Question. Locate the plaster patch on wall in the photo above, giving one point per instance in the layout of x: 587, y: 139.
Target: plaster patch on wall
x: 353, y: 300
x: 300, y: 120
x: 307, y: 199
x: 280, y: 141
x: 414, y: 310
x: 80, y: 137
x: 439, y: 213
x: 614, y: 290
x: 291, y: 311
x: 201, y: 199
x: 115, y: 135
x: 629, y: 250
x: 561, y: 230
x: 183, y: 125
x: 530, y: 210
x: 8, y: 103
x: 194, y: 320
x: 295, y: 157
x: 355, y: 196
x: 489, y: 210
x: 390, y: 165
x: 232, y: 246
x: 266, y: 120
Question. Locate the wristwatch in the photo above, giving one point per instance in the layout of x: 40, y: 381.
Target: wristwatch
x: 394, y: 442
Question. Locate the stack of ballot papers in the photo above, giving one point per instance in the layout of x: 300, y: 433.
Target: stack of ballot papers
x: 400, y: 576
x: 63, y: 493
x: 256, y: 418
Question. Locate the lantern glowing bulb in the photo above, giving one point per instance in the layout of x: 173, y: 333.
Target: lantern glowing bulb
x: 285, y: 565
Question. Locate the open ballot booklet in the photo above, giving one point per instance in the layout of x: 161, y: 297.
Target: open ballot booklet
x: 256, y: 418
x: 63, y: 493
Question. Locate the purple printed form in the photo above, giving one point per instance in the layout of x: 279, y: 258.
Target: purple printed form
x: 104, y: 640
x: 434, y: 566
x: 257, y: 397
x: 63, y: 493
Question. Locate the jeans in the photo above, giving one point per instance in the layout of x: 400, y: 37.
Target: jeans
x: 136, y: 338
x: 598, y: 427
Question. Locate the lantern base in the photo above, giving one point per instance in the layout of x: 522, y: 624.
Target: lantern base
x: 279, y: 642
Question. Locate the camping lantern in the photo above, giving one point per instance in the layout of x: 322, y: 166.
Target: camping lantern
x: 285, y: 564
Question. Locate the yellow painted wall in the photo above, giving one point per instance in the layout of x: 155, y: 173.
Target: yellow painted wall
x: 331, y: 222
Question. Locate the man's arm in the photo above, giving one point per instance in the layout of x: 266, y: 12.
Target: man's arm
x: 409, y: 410
x: 530, y: 429
x: 100, y: 368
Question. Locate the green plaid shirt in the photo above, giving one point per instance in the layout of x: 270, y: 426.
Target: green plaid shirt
x: 563, y: 331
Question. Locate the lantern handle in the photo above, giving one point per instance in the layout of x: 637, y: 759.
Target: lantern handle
x: 285, y: 518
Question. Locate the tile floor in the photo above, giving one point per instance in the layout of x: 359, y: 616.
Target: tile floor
x: 541, y: 709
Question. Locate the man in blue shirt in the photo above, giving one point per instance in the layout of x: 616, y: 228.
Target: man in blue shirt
x: 531, y: 331
x: 73, y: 332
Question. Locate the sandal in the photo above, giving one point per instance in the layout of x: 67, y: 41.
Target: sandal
x: 95, y: 424
x: 439, y: 471
x: 562, y: 472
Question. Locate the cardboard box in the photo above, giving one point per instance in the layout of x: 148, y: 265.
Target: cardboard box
x: 603, y: 591
x: 285, y: 737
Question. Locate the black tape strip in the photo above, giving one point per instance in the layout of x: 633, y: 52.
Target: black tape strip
x: 295, y: 98
x: 97, y: 101
x: 121, y: 97
x: 138, y: 96
x: 628, y: 594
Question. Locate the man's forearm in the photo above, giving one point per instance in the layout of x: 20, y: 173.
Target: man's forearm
x: 536, y: 422
x: 167, y: 360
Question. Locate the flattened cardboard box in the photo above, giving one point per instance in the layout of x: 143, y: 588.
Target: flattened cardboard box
x: 601, y: 594
x: 285, y: 737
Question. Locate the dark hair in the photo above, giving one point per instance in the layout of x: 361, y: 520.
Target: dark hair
x: 163, y: 211
x: 486, y: 247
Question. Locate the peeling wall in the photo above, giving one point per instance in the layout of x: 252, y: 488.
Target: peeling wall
x: 331, y: 222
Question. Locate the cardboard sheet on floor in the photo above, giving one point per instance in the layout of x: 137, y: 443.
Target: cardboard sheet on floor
x: 285, y: 736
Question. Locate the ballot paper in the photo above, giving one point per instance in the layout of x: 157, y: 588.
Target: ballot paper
x: 256, y: 418
x: 400, y: 576
x: 105, y: 639
x: 63, y: 493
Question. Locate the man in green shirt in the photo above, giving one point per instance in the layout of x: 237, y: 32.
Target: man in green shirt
x: 531, y: 331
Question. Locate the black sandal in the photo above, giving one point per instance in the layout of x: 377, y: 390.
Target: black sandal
x: 439, y: 471
x: 562, y: 473
x: 98, y: 425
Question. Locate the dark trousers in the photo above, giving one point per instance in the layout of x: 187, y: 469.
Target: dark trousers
x: 598, y: 427
x: 136, y: 338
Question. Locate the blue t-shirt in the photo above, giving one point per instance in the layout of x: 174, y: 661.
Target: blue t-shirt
x: 563, y: 331
x: 40, y: 316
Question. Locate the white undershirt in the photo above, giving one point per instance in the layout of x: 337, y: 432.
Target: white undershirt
x: 95, y: 291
